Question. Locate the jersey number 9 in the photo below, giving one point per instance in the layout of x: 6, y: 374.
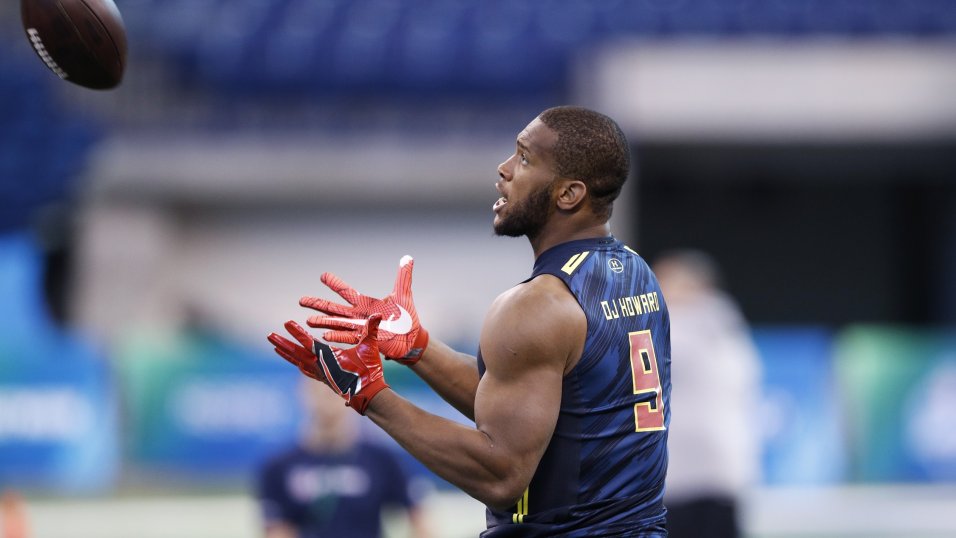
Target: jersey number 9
x: 648, y: 415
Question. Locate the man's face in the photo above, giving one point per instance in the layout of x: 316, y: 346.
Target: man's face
x: 526, y: 183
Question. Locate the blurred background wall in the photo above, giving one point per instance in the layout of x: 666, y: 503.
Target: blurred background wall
x: 153, y: 235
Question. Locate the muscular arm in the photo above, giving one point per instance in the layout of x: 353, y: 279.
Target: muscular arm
x: 531, y: 334
x: 452, y: 375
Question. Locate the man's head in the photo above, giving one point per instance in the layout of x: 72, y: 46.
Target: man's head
x: 567, y: 157
x: 592, y: 148
x: 686, y: 274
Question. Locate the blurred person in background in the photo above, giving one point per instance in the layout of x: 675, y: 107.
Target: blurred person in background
x: 570, y: 389
x: 333, y: 482
x: 713, y: 444
x: 13, y: 516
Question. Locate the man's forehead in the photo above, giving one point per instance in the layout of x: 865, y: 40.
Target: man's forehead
x: 536, y: 136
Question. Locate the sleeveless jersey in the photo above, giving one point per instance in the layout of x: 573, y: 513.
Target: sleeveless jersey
x: 603, y: 471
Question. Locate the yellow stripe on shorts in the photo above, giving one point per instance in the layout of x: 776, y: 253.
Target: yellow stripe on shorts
x: 522, y: 508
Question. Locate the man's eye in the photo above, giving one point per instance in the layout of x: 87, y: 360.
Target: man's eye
x: 524, y: 158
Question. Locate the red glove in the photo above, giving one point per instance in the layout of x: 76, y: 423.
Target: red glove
x: 401, y: 336
x: 354, y: 373
x: 302, y: 356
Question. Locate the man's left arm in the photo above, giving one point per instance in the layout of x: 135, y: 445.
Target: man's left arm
x: 530, y: 335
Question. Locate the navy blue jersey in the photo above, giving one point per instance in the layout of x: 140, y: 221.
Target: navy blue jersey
x: 603, y: 471
x: 332, y: 494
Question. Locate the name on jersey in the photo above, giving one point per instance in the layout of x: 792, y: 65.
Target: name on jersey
x: 630, y: 306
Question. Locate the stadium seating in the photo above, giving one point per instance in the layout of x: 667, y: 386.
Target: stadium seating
x: 414, y: 51
x: 492, y: 47
x: 42, y: 146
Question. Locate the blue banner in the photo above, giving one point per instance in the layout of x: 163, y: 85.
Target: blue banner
x: 801, y: 415
x: 900, y: 388
x: 58, y: 416
x: 199, y: 407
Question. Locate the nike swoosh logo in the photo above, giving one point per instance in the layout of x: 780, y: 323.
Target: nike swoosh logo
x: 400, y: 325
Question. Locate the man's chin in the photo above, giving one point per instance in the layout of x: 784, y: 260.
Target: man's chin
x: 504, y: 232
x: 503, y: 229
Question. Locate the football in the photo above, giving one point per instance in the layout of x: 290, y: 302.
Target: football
x: 81, y: 41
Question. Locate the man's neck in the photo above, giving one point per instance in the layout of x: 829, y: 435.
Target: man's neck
x: 555, y: 236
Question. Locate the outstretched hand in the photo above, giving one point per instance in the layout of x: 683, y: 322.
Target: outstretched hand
x: 400, y: 337
x: 355, y: 374
x: 302, y: 355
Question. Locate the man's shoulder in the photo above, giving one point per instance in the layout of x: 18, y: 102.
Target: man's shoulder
x: 541, y: 290
x: 543, y: 301
x: 538, y: 319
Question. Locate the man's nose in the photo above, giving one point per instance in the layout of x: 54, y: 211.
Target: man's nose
x: 502, y: 170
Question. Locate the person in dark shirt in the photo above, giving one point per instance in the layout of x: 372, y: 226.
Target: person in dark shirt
x: 333, y: 482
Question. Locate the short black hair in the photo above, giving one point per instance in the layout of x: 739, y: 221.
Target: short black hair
x: 592, y: 148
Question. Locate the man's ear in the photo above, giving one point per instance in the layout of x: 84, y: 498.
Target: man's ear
x: 571, y: 194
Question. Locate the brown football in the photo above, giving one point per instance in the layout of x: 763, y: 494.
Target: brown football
x: 82, y: 41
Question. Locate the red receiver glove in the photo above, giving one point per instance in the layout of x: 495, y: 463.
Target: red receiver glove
x: 354, y: 373
x: 401, y: 336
